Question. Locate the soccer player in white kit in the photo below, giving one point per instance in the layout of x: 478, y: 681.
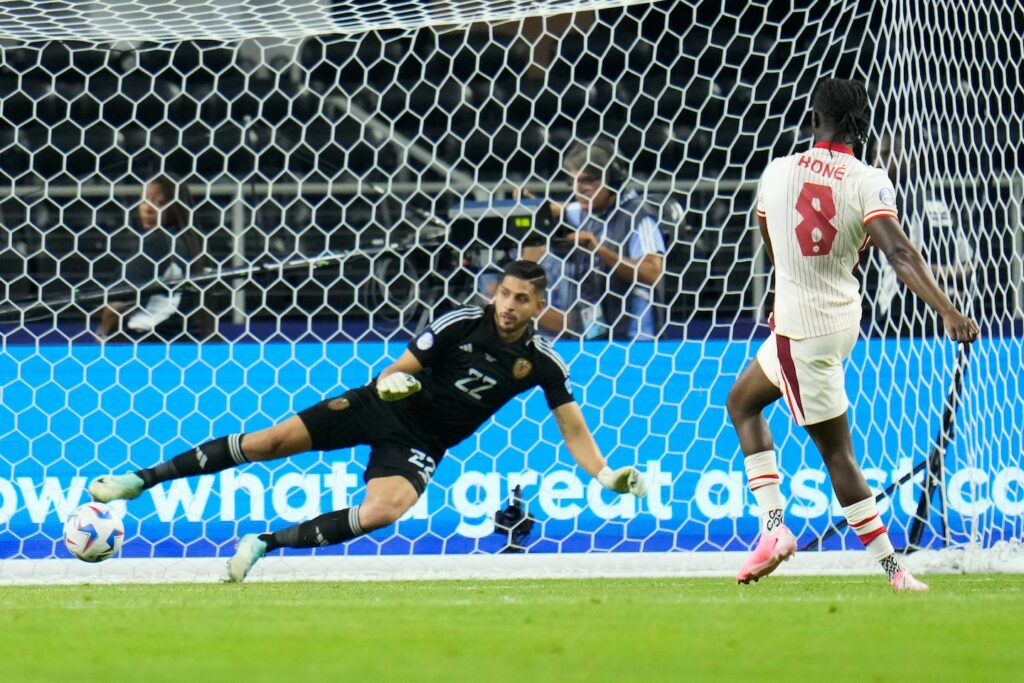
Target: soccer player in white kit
x: 817, y: 210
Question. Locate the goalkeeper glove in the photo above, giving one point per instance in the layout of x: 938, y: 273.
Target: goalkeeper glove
x: 397, y: 385
x: 623, y: 480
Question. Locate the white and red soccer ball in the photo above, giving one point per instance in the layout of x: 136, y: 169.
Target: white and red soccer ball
x: 93, y: 532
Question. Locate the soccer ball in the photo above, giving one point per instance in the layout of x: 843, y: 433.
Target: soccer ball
x: 93, y: 532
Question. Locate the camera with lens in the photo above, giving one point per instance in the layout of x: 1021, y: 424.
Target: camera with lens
x: 501, y: 224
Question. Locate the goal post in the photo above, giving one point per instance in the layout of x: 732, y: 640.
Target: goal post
x: 352, y: 172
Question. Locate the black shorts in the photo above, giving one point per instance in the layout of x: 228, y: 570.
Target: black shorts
x: 361, y: 417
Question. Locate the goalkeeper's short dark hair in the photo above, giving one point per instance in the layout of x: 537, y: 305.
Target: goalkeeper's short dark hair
x: 843, y: 104
x: 529, y: 271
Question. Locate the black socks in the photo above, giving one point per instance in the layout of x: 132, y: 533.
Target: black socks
x: 328, y: 529
x: 212, y: 456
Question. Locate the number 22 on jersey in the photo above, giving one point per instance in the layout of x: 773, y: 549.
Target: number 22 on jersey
x: 476, y: 384
x: 815, y: 233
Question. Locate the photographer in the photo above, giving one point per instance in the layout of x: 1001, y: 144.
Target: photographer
x: 607, y: 258
x: 167, y: 247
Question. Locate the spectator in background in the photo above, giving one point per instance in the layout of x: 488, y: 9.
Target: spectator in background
x: 168, y: 249
x: 606, y: 260
x: 934, y: 228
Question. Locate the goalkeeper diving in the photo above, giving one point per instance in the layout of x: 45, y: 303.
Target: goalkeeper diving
x: 451, y: 379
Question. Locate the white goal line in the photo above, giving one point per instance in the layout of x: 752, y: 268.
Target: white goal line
x: 495, y: 567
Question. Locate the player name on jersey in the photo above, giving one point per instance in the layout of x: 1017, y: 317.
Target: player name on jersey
x: 822, y: 168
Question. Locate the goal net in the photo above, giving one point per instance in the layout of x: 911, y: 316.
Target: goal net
x: 349, y: 171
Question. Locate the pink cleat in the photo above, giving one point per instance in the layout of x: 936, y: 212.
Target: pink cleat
x: 771, y: 551
x: 905, y: 581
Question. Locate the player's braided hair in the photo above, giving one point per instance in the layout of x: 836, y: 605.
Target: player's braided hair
x: 844, y: 104
x: 531, y: 272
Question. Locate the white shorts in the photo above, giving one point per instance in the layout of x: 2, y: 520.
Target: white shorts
x: 809, y: 373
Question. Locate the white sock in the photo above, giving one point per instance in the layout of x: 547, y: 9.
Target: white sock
x: 763, y: 479
x: 867, y: 524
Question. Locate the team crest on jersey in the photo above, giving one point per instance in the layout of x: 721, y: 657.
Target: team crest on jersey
x: 340, y: 403
x: 521, y: 368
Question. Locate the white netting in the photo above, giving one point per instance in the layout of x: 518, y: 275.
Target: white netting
x: 327, y: 175
x: 174, y: 20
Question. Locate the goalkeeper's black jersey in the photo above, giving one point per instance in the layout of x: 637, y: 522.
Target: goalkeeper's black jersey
x: 469, y: 374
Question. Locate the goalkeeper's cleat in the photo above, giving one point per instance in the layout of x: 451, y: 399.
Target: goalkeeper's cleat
x: 904, y: 581
x: 116, y: 487
x: 250, y: 550
x: 772, y: 550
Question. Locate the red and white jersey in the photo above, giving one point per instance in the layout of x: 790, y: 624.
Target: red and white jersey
x: 816, y: 204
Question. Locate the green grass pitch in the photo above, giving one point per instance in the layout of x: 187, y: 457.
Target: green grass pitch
x: 969, y: 628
